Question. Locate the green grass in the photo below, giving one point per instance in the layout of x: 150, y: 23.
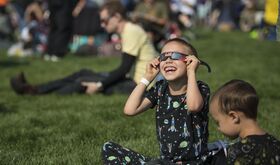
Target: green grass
x: 53, y: 129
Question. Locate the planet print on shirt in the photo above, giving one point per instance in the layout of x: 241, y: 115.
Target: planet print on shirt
x: 127, y: 159
x: 183, y: 144
x: 112, y: 158
x: 176, y: 104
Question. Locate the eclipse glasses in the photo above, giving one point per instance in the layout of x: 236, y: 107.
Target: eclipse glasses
x: 180, y: 56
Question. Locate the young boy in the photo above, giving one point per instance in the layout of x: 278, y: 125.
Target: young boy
x: 234, y: 108
x: 181, y: 108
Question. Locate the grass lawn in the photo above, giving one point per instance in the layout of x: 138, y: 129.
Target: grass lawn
x: 53, y: 129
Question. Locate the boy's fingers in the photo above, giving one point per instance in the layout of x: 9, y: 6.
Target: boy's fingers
x: 156, y: 61
x: 152, y: 65
x: 188, y: 61
x: 191, y: 59
x: 155, y: 64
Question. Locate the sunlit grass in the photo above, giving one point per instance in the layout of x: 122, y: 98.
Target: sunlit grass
x: 54, y: 129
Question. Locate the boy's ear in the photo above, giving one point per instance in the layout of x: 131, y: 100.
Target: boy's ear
x: 234, y: 116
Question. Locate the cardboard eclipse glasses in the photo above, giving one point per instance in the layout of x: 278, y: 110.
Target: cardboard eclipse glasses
x: 179, y: 56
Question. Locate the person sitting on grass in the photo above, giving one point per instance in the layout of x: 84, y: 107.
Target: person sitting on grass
x: 181, y: 108
x: 234, y: 107
x: 137, y: 51
x: 153, y: 16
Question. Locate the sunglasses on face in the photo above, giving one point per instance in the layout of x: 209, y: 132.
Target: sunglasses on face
x: 105, y: 20
x: 172, y: 56
x: 179, y: 56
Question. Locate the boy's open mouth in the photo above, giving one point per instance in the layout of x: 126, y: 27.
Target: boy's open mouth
x: 169, y: 69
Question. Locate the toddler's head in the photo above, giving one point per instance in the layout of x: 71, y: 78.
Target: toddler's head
x: 236, y: 100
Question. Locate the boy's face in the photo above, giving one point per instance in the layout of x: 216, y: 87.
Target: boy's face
x: 109, y: 23
x: 225, y: 122
x: 173, y: 69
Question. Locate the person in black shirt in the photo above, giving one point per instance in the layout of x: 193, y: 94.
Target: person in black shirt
x: 234, y: 108
x: 61, y: 22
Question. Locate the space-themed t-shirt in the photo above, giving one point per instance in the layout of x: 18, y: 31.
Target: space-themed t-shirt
x: 182, y: 135
x: 255, y: 149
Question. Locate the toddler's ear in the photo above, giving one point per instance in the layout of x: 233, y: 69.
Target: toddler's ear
x: 234, y: 116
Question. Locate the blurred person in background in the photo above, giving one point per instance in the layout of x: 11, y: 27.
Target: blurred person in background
x: 225, y: 14
x: 61, y: 23
x: 32, y: 38
x: 270, y: 19
x: 87, y: 32
x: 266, y: 20
x: 137, y: 51
x: 248, y: 14
x: 20, y: 7
x: 183, y: 13
x: 203, y: 10
x: 129, y: 5
x: 6, y: 26
x: 153, y: 16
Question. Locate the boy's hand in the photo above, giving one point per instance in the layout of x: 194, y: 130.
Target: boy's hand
x: 152, y: 69
x: 192, y: 63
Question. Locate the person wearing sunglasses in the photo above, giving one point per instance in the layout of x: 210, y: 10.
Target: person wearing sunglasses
x: 181, y: 108
x: 137, y: 51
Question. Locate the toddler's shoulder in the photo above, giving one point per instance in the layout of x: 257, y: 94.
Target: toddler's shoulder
x: 273, y: 141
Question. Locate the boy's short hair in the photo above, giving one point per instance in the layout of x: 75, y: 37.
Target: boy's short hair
x: 237, y: 95
x: 183, y: 42
x: 114, y: 7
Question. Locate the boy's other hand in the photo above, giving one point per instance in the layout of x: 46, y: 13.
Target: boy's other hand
x: 192, y: 63
x: 152, y: 69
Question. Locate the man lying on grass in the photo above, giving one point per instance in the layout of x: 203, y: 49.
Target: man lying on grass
x: 137, y: 51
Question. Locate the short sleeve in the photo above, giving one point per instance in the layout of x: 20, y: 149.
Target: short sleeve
x: 205, y: 92
x: 130, y: 44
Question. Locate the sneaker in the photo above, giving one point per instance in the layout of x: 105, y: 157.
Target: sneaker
x: 52, y: 58
x: 47, y: 57
x: 20, y: 86
x: 21, y: 78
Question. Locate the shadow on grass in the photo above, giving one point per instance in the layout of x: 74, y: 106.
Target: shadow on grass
x: 12, y: 63
x: 5, y: 110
